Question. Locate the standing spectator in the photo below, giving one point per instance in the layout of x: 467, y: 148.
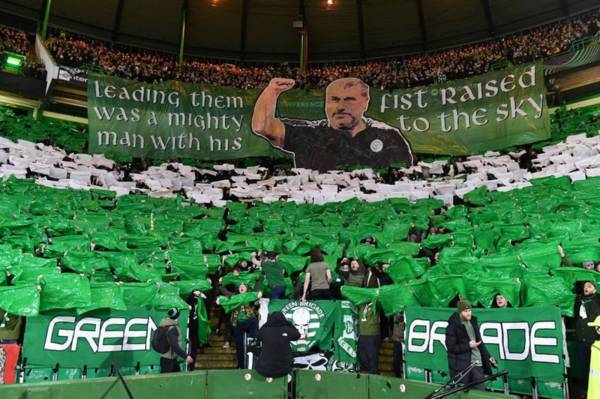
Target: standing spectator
x: 170, y: 338
x: 318, y: 278
x: 500, y: 301
x: 274, y: 274
x: 10, y: 327
x: 192, y: 301
x: 275, y: 358
x: 587, y: 308
x: 398, y: 327
x: 465, y: 347
x: 354, y: 275
x: 594, y: 365
x: 369, y: 338
x: 245, y: 322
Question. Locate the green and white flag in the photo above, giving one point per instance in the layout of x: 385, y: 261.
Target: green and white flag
x: 314, y: 321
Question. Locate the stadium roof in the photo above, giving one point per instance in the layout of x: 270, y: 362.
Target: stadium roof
x: 262, y: 29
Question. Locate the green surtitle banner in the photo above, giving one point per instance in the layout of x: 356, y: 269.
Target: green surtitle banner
x: 171, y: 120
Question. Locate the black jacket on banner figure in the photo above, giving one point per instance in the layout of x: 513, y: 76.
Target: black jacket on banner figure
x: 275, y: 358
x: 344, y: 137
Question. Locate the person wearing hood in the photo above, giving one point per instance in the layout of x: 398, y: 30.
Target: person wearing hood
x: 168, y: 360
x: 276, y: 359
x: 500, y: 302
x: 587, y: 308
x: 466, y: 348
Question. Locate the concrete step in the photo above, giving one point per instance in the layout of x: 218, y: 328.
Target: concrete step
x: 386, y: 351
x: 216, y: 338
x: 216, y: 356
x: 217, y: 349
x: 222, y: 364
x: 386, y: 359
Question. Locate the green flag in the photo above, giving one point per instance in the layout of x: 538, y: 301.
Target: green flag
x: 65, y: 291
x: 22, y: 299
x: 238, y: 300
x: 314, y: 320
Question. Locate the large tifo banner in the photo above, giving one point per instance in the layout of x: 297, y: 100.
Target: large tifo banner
x: 328, y: 333
x: 528, y: 342
x: 347, y: 123
x: 95, y: 339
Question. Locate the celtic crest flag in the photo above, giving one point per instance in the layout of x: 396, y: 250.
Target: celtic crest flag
x: 314, y: 321
x: 346, y: 337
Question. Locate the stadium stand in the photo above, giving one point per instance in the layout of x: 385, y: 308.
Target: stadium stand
x: 86, y: 238
x: 78, y: 51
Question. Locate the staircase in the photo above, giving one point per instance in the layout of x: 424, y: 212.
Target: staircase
x: 386, y: 358
x: 215, y: 356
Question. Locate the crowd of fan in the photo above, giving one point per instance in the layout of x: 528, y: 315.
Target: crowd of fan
x: 76, y: 51
x: 14, y: 41
x: 17, y: 41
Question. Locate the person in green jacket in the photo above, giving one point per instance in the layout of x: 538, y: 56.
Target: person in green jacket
x: 10, y: 327
x: 369, y: 338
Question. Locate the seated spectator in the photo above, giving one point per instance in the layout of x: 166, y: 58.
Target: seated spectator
x: 275, y: 358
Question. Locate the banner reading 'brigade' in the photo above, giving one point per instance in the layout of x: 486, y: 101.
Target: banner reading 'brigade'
x: 528, y: 342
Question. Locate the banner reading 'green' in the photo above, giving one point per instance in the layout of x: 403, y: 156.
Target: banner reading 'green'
x: 94, y: 339
x: 528, y: 342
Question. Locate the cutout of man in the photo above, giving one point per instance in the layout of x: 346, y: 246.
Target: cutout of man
x: 344, y: 137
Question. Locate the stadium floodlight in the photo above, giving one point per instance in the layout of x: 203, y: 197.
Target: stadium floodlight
x: 12, y: 62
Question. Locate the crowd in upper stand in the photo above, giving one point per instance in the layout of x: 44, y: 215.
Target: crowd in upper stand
x: 73, y: 50
x: 13, y: 40
x: 17, y: 41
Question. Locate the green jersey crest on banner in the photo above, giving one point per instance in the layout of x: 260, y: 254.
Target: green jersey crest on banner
x: 326, y: 326
x: 312, y: 322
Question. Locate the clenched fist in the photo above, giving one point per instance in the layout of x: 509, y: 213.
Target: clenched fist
x: 279, y: 85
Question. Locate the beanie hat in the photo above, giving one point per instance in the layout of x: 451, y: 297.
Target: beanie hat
x: 463, y: 305
x: 586, y: 263
x: 173, y: 313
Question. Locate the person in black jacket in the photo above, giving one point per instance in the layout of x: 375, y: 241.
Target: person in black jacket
x: 465, y: 347
x: 192, y: 301
x: 275, y: 359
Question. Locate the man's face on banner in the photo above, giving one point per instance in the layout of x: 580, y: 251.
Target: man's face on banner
x: 346, y: 100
